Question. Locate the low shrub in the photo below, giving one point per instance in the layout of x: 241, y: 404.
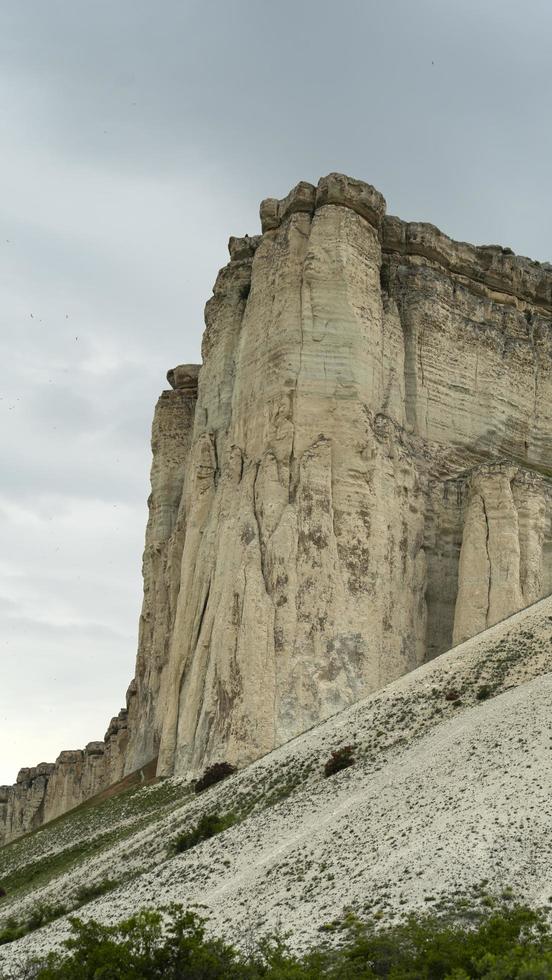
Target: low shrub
x: 452, y: 695
x: 2, y: 892
x: 484, y: 692
x: 214, y: 774
x: 340, y: 759
x: 208, y: 826
x: 87, y: 892
x: 10, y: 930
x: 39, y: 916
x: 505, y: 944
x: 143, y: 948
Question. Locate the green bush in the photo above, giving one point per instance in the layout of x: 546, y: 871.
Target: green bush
x: 39, y: 916
x: 508, y: 944
x: 96, y: 888
x: 208, y: 826
x: 10, y: 930
x: 484, y: 692
x: 140, y: 949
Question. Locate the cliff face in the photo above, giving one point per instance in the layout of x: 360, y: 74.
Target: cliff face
x: 374, y: 487
x: 359, y: 478
x: 165, y: 533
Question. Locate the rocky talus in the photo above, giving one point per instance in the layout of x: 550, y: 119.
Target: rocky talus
x: 358, y: 478
x: 448, y: 800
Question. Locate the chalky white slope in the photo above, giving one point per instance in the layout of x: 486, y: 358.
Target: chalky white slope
x: 445, y: 794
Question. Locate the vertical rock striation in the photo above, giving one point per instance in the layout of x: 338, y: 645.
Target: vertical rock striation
x: 502, y: 556
x: 370, y: 365
x: 359, y: 477
x: 146, y: 697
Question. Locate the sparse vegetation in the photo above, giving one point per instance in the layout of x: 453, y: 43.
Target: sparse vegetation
x: 340, y: 759
x: 76, y: 849
x: 39, y: 916
x: 214, y: 774
x: 30, y: 861
x: 88, y: 892
x: 505, y: 944
x: 209, y: 825
x: 484, y: 692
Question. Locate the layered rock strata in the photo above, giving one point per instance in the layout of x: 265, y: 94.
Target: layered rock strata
x: 359, y: 477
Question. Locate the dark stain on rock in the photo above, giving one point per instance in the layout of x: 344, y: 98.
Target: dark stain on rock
x: 247, y: 534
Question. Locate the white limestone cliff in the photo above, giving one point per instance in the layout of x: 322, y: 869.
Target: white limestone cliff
x: 359, y: 477
x: 373, y: 365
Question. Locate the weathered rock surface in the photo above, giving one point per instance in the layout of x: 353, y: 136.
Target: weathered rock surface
x: 359, y: 477
x: 334, y: 495
x: 165, y: 532
x: 502, y: 556
x: 49, y: 789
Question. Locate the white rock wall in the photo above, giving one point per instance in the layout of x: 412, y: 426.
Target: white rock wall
x: 361, y: 478
x: 171, y: 439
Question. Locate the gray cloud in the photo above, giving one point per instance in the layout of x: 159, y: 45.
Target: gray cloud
x: 136, y: 137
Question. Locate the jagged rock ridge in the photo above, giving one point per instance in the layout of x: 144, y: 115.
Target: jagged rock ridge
x: 359, y: 478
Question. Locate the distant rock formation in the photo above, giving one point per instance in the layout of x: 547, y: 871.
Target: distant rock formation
x: 359, y: 477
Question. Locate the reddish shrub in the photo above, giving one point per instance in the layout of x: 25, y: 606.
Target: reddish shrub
x: 214, y: 774
x: 452, y: 696
x: 340, y: 759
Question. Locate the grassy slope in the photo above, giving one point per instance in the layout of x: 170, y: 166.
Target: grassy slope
x: 440, y: 798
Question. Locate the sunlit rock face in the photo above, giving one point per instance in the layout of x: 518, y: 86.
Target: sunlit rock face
x: 358, y: 477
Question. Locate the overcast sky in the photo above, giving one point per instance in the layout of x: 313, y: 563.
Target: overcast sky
x: 135, y: 137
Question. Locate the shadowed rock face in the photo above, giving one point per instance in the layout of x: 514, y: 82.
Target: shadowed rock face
x: 357, y: 478
x: 184, y: 378
x: 165, y: 533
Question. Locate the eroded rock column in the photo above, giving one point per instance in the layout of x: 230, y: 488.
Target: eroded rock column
x: 146, y: 698
x: 489, y: 577
x: 305, y: 508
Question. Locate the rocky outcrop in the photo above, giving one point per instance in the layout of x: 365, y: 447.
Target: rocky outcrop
x: 171, y: 440
x: 373, y: 366
x: 50, y: 789
x: 358, y: 477
x: 502, y: 556
x: 22, y: 805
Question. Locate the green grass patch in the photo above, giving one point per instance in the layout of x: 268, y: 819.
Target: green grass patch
x: 209, y: 825
x: 39, y: 916
x: 86, y: 893
x: 24, y: 865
